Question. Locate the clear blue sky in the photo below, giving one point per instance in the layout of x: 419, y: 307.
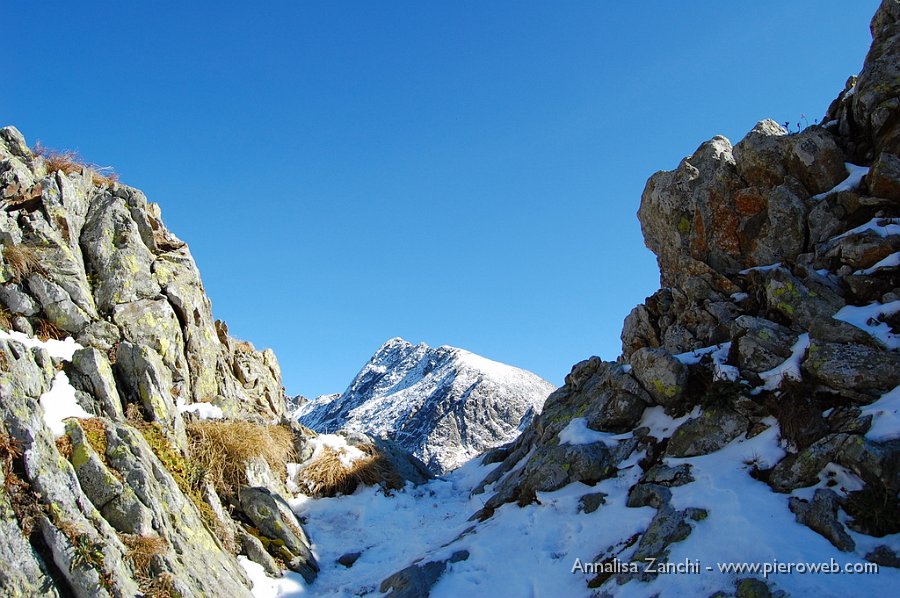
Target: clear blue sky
x: 462, y: 173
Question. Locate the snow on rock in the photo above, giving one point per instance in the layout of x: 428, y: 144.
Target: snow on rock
x: 63, y: 349
x: 854, y: 178
x: 883, y: 227
x: 885, y: 414
x: 868, y: 318
x: 59, y: 404
x: 201, y: 410
x: 577, y: 432
x: 443, y: 405
x: 719, y: 355
x: 890, y: 261
x: 789, y: 368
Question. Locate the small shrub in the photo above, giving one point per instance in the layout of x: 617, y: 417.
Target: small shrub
x: 22, y: 261
x: 224, y: 448
x: 798, y: 413
x: 874, y: 510
x: 328, y: 476
x: 64, y: 446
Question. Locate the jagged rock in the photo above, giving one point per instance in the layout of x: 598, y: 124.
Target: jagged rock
x: 665, y: 475
x: 884, y: 556
x: 709, y: 432
x: 17, y: 301
x: 91, y: 373
x: 116, y: 502
x: 667, y: 527
x: 820, y: 515
x: 417, y: 580
x: 23, y: 573
x: 591, y: 502
x: 802, y: 469
x: 101, y: 335
x: 884, y: 177
x: 751, y: 588
x: 349, y: 559
x: 860, y: 369
x: 876, y: 462
x: 648, y: 495
x: 148, y: 381
x: 763, y: 344
x: 273, y: 517
x: 256, y: 552
x: 663, y: 376
x: 869, y: 119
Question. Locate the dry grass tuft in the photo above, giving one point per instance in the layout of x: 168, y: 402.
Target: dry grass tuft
x: 69, y: 162
x: 45, y: 330
x: 141, y: 550
x: 328, y: 476
x: 223, y: 449
x: 24, y: 501
x: 22, y: 261
x: 5, y: 318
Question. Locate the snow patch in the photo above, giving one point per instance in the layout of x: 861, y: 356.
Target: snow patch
x: 63, y: 349
x: 201, y: 410
x: 719, y: 355
x: 890, y: 261
x: 854, y: 178
x: 866, y: 318
x: 885, y: 414
x: 577, y: 432
x: 291, y: 584
x: 883, y: 227
x: 59, y: 404
x: 774, y: 266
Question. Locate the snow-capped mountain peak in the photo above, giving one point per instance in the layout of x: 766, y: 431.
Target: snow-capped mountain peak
x: 442, y: 404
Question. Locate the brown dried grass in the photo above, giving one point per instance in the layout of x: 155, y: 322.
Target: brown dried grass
x: 69, y: 162
x: 45, y: 330
x: 224, y: 448
x: 328, y: 476
x: 22, y: 261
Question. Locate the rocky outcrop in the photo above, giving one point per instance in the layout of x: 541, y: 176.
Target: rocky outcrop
x: 100, y: 493
x: 443, y: 405
x: 778, y: 311
x: 91, y: 258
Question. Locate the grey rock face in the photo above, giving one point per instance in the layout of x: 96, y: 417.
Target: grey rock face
x: 715, y: 428
x: 417, y: 580
x: 820, y: 515
x: 856, y: 368
x: 663, y: 376
x: 275, y: 520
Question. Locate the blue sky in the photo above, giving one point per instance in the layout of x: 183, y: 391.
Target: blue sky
x: 462, y: 173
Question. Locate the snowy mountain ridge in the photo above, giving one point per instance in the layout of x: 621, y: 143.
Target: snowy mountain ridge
x: 444, y: 405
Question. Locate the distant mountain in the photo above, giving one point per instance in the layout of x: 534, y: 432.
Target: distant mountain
x: 443, y: 405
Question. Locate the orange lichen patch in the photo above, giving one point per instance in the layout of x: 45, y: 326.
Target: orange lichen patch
x: 698, y: 240
x: 723, y: 226
x: 750, y: 201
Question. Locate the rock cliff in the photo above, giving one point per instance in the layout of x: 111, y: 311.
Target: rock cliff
x: 778, y: 314
x: 113, y: 501
x: 443, y: 405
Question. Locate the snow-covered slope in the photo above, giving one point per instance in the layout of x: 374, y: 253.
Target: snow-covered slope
x: 443, y: 405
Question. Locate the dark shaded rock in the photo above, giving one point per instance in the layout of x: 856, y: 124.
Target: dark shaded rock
x: 648, y: 495
x: 855, y: 368
x: 751, y: 588
x: 665, y: 475
x: 884, y: 556
x: 347, y: 560
x: 802, y: 469
x: 416, y: 581
x: 820, y: 515
x: 591, y: 502
x: 884, y: 177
